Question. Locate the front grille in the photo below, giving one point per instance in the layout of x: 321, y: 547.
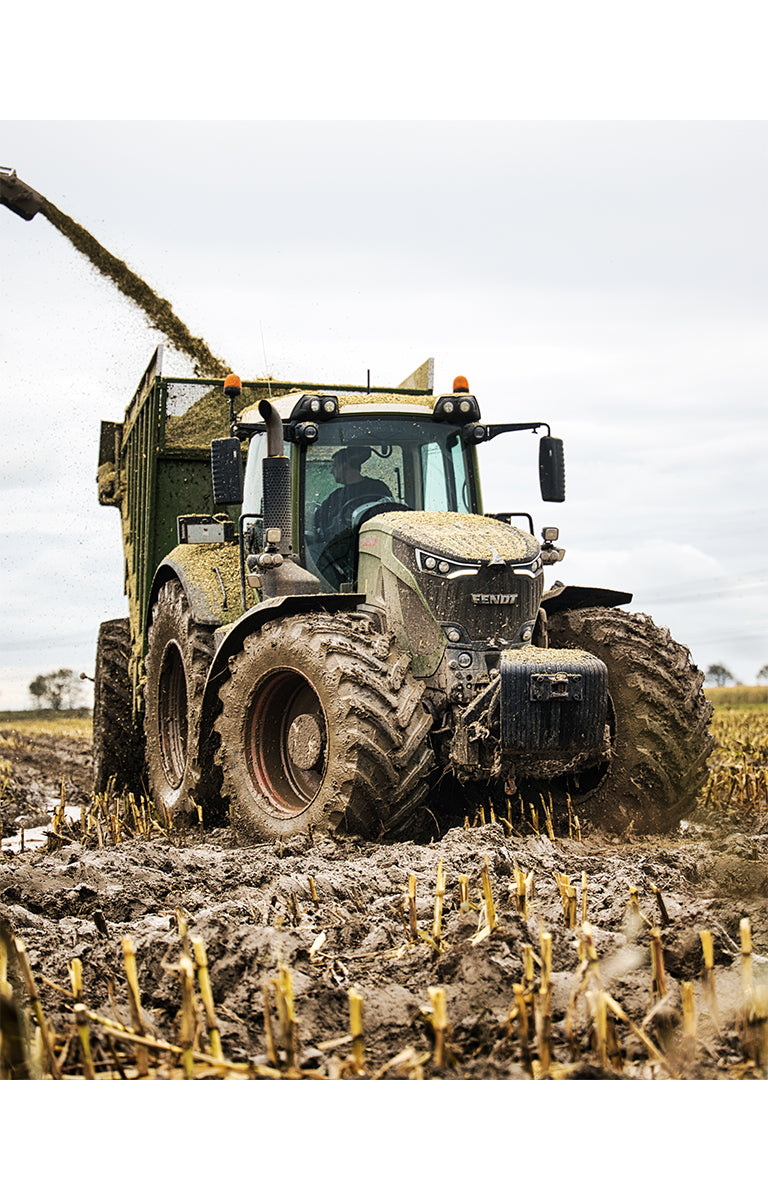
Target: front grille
x: 492, y: 603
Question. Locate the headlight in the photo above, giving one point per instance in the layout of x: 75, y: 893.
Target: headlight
x: 443, y: 568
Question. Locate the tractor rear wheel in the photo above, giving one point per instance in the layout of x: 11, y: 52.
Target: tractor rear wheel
x: 659, y: 720
x: 178, y: 657
x: 322, y: 728
x: 118, y: 743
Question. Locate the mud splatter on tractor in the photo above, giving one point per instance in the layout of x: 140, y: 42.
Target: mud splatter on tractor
x: 333, y: 635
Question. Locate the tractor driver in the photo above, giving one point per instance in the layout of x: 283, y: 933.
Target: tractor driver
x: 336, y: 510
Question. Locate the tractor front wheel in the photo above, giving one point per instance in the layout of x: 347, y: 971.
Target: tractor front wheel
x: 322, y: 728
x: 659, y: 721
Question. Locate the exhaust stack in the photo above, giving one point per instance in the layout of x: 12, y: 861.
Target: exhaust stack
x: 277, y: 478
x: 279, y: 572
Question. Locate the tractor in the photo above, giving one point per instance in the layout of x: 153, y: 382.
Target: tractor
x: 327, y: 632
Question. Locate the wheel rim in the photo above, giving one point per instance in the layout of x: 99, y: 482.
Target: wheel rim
x: 172, y: 715
x: 286, y: 739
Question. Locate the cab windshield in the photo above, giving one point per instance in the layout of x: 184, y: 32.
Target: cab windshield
x: 359, y: 468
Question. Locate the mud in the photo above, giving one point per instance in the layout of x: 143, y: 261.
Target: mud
x: 39, y: 770
x: 335, y: 913
x: 468, y: 536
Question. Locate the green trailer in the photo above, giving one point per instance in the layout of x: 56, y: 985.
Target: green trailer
x: 155, y: 467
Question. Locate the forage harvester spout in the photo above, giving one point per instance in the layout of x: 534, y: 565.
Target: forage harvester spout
x: 18, y: 196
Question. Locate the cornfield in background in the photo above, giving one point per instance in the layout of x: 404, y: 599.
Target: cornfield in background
x: 738, y: 767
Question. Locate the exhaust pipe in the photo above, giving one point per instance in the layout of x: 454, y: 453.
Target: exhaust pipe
x: 18, y: 196
x: 275, y: 443
x: 277, y: 477
x: 281, y: 574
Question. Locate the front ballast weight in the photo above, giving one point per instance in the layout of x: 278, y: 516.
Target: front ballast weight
x: 554, y: 707
x: 543, y: 715
x: 611, y: 719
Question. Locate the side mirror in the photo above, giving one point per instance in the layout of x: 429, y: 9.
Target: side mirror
x: 227, y: 471
x: 552, y: 469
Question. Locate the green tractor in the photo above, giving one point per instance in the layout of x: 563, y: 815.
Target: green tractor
x: 327, y: 632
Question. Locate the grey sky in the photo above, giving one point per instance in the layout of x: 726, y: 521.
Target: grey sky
x: 610, y: 278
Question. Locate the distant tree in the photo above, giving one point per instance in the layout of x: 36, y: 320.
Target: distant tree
x: 718, y: 675
x: 763, y: 672
x: 59, y: 689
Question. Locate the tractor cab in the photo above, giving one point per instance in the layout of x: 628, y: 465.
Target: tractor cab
x: 364, y: 467
x: 373, y: 454
x: 320, y: 465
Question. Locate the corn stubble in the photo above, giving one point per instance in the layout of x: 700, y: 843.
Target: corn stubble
x: 111, y: 818
x: 685, y: 1032
x: 600, y: 1037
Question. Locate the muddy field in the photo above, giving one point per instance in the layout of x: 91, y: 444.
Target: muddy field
x: 305, y: 927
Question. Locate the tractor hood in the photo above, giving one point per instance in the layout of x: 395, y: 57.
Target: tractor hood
x: 462, y: 540
x: 455, y: 577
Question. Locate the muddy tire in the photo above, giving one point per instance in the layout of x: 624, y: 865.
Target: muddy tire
x: 178, y: 657
x: 118, y: 744
x: 322, y: 728
x: 659, y: 717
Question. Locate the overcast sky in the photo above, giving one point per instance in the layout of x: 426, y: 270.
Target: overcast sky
x: 609, y: 278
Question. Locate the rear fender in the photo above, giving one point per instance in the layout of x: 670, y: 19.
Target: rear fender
x: 210, y: 576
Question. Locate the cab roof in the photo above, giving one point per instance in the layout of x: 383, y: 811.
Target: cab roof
x: 351, y: 403
x: 414, y: 395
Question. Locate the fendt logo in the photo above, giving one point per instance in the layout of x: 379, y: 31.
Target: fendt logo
x: 500, y: 598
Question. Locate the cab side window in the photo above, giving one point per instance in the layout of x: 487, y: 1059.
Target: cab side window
x: 253, y: 492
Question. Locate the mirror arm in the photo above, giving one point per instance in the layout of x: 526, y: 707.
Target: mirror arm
x: 476, y: 433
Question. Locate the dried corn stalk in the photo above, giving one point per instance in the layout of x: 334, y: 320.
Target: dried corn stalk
x: 690, y: 1025
x: 658, y: 978
x: 490, y: 907
x: 745, y: 932
x: 661, y: 905
x: 134, y: 1001
x: 708, y: 975
x: 439, y: 898
x: 206, y: 994
x: 439, y: 1024
x: 86, y: 1058
x: 521, y: 1012
x: 413, y: 924
x: 356, y: 1030
x: 567, y: 898
x: 37, y: 1008
x: 188, y: 1023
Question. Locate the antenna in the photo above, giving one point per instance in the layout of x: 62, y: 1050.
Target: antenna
x: 266, y: 364
x: 369, y: 379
